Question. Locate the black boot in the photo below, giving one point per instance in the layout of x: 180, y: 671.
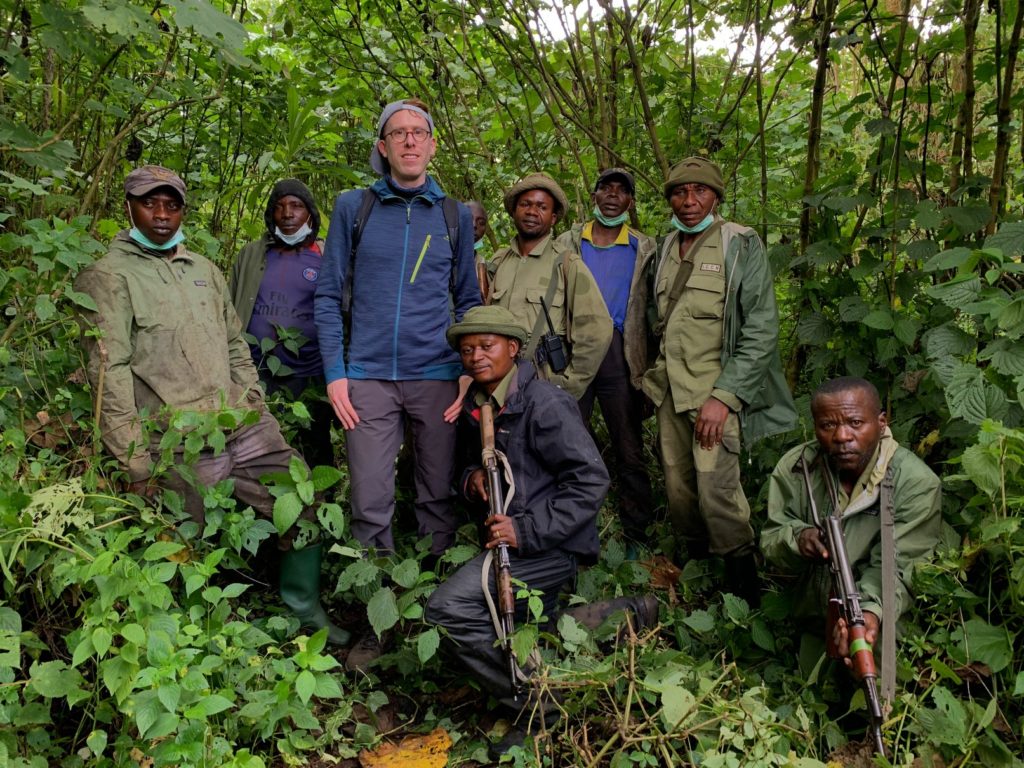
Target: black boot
x: 742, y: 579
x: 300, y: 591
x: 644, y: 611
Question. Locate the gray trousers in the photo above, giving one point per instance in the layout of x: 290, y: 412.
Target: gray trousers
x: 458, y: 606
x: 249, y: 454
x: 383, y: 407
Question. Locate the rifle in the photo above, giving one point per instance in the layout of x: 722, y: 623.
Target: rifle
x: 844, y: 602
x: 500, y: 562
x: 551, y: 344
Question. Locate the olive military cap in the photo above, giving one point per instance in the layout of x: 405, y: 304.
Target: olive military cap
x: 695, y: 170
x: 490, y: 319
x: 536, y: 181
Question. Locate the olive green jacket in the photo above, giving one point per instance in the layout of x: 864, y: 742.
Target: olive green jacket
x: 635, y: 330
x: 917, y: 495
x: 169, y: 336
x: 751, y: 369
x: 578, y: 312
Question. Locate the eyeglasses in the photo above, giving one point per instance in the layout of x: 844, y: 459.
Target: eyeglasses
x: 399, y: 135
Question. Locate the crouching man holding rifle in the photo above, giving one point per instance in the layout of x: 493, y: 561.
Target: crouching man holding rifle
x: 850, y: 516
x: 544, y: 501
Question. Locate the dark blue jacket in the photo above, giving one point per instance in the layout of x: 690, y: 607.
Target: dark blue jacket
x: 560, y: 478
x: 401, y: 293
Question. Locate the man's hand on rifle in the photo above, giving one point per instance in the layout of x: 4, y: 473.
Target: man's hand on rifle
x: 500, y: 530
x: 809, y: 542
x: 476, y: 486
x: 841, y: 635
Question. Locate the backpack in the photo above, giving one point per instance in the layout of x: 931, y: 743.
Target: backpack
x: 450, y: 209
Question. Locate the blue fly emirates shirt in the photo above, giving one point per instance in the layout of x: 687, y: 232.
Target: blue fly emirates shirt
x: 612, y: 267
x: 285, y: 299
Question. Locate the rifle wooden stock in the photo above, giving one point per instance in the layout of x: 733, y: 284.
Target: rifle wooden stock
x: 845, y: 603
x: 501, y: 565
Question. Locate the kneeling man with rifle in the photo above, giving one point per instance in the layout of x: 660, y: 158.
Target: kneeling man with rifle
x: 850, y: 514
x: 543, y: 481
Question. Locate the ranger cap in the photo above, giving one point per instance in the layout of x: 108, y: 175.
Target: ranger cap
x: 490, y: 319
x: 144, y: 180
x: 695, y: 170
x: 617, y: 173
x: 536, y: 181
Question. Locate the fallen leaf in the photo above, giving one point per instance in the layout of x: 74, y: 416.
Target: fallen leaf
x: 664, y: 573
x: 430, y: 751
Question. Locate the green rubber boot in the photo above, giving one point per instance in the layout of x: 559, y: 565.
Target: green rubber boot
x: 300, y: 591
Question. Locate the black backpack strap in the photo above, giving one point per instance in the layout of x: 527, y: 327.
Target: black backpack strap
x: 365, y: 208
x: 450, y: 209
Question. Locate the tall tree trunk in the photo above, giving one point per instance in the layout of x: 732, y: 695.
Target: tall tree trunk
x: 997, y: 192
x: 963, y: 132
x: 825, y: 10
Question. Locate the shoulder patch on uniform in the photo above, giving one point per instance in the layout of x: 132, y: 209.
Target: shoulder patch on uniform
x: 200, y: 283
x: 310, y: 274
x: 705, y: 267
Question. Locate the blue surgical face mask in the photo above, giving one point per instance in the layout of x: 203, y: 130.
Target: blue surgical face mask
x: 704, y: 223
x: 300, y: 234
x: 478, y: 244
x: 617, y: 221
x: 135, y: 234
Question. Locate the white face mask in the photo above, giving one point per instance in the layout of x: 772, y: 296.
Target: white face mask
x: 300, y: 234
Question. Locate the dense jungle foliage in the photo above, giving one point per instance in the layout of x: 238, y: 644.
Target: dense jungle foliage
x: 877, y: 147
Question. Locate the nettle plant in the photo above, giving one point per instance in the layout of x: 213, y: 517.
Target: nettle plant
x: 124, y: 632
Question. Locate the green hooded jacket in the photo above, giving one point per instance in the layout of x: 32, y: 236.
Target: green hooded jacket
x: 169, y: 336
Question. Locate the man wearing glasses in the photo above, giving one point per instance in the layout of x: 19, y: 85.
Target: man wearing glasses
x: 397, y: 261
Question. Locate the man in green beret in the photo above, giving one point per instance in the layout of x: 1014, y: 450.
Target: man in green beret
x: 536, y: 271
x: 549, y: 522
x: 717, y: 373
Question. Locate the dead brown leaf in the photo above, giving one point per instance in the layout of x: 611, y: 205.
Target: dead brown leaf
x: 664, y: 573
x: 430, y: 751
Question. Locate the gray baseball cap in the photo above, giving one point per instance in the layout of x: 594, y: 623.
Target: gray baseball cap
x: 144, y: 180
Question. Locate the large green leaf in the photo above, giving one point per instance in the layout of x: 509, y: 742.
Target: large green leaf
x: 983, y: 468
x: 1007, y: 356
x: 948, y: 340
x: 952, y: 258
x: 382, y: 610
x: 813, y: 329
x: 957, y: 292
x: 287, y: 509
x: 54, y: 679
x: 1009, y: 239
x: 676, y: 704
x: 988, y: 644
x: 969, y: 218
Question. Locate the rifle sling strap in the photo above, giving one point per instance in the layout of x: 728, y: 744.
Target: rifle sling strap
x: 888, y: 590
x: 538, y: 324
x: 685, y: 270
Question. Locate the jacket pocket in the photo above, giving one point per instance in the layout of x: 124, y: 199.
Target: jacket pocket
x: 705, y: 296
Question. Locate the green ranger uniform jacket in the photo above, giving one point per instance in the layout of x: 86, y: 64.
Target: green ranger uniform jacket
x: 635, y: 331
x: 578, y: 312
x: 170, y: 336
x: 722, y: 338
x: 916, y: 502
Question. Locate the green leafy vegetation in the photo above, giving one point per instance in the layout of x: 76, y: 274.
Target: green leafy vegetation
x: 879, y: 151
